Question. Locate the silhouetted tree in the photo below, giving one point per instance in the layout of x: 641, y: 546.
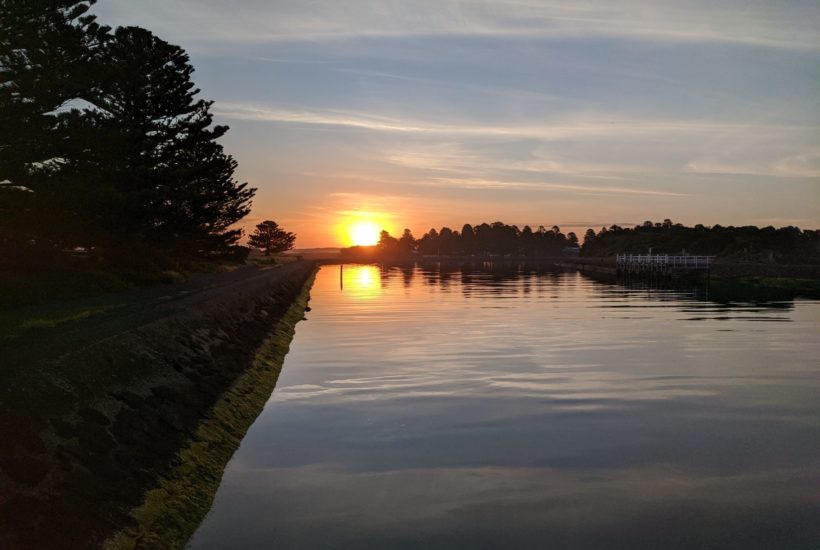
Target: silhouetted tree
x: 448, y: 241
x: 503, y: 238
x: 48, y: 58
x: 103, y: 142
x: 527, y: 241
x: 467, y: 239
x: 407, y: 243
x: 271, y: 238
x: 429, y: 244
x: 170, y: 179
x: 387, y: 244
x: 589, y: 237
x: 483, y: 238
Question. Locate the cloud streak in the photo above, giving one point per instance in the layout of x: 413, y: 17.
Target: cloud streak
x: 582, y: 127
x: 479, y: 183
x: 805, y: 165
x: 258, y: 21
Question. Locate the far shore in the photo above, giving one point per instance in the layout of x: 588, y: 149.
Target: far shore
x: 757, y: 278
x: 723, y: 268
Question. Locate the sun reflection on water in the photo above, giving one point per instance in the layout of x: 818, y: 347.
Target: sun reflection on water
x: 360, y: 281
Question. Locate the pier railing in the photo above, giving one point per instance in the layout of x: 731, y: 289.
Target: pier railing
x: 661, y: 262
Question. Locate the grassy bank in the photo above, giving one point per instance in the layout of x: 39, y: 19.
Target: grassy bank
x: 172, y: 511
x: 50, y: 278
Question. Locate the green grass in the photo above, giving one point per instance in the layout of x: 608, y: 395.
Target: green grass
x: 48, y: 297
x: 258, y: 258
x: 16, y: 322
x: 171, y: 512
x: 51, y: 322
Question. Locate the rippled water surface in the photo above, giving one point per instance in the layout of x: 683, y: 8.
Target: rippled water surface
x: 496, y: 408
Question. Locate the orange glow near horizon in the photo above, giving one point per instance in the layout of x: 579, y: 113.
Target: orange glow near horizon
x: 364, y: 233
x: 362, y: 228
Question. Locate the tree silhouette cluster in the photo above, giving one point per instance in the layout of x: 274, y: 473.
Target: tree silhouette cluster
x: 105, y: 146
x: 271, y: 238
x: 787, y: 244
x: 495, y: 239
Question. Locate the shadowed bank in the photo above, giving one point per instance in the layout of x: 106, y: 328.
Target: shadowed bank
x: 99, y: 415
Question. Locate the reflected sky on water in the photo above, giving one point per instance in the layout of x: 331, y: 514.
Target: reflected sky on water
x: 497, y: 407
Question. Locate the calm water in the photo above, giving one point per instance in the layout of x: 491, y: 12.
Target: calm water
x: 447, y: 409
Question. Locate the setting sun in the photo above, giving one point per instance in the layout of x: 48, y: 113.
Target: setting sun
x: 364, y: 233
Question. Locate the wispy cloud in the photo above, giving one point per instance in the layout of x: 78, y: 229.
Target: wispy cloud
x: 805, y: 165
x: 478, y: 183
x: 760, y: 24
x: 455, y: 158
x: 561, y: 129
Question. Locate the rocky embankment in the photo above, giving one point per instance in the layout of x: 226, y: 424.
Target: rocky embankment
x: 98, y: 419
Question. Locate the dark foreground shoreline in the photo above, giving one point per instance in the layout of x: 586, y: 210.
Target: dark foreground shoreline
x: 101, y: 419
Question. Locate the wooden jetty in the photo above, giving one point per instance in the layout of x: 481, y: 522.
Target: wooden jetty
x: 661, y: 264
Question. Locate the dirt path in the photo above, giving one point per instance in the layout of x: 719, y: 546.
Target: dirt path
x: 83, y: 322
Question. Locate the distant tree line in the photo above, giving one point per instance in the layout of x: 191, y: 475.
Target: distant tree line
x: 787, y: 244
x: 485, y: 239
x: 105, y: 147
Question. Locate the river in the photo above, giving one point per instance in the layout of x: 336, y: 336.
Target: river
x: 444, y: 408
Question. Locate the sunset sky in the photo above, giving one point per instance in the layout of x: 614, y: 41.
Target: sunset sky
x: 422, y: 113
